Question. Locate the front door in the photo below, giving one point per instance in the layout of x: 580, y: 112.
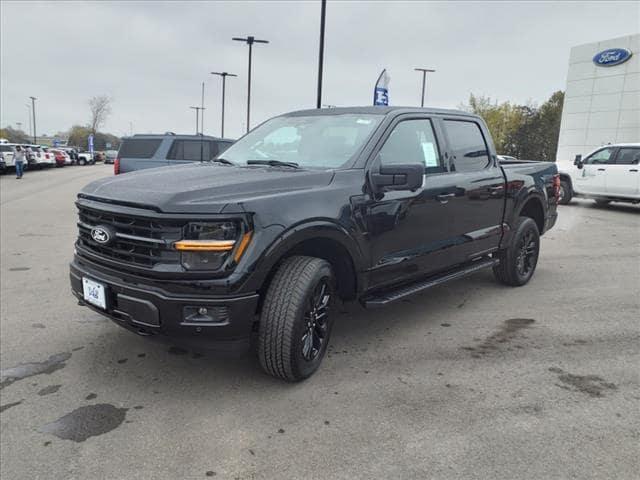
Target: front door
x: 591, y: 178
x: 478, y: 204
x: 408, y: 232
x: 623, y: 177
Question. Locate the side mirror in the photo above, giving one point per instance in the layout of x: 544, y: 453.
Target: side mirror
x: 578, y: 161
x: 398, y: 177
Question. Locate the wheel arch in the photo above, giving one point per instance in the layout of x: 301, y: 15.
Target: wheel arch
x: 325, y: 240
x: 533, y: 208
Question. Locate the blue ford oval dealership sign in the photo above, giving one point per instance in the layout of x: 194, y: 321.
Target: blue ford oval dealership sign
x: 611, y: 57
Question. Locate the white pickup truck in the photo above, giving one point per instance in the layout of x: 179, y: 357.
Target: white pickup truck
x: 609, y: 173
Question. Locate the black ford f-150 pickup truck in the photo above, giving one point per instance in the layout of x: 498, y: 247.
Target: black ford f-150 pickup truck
x: 371, y: 203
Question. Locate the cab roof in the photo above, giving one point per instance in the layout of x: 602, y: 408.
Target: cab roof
x: 371, y: 110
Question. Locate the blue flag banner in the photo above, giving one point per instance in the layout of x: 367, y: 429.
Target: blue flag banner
x: 381, y: 91
x: 90, y: 141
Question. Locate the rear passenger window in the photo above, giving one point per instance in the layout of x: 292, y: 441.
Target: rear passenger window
x: 468, y: 146
x: 139, y: 147
x: 191, y: 150
x: 628, y: 156
x: 412, y: 141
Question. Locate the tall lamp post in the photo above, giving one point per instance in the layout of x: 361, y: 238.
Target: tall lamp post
x: 250, y: 40
x: 29, y: 117
x: 33, y: 111
x: 424, y: 80
x: 323, y: 14
x: 224, y: 76
x: 197, y: 109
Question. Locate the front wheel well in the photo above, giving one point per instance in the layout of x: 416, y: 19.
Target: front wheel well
x: 331, y: 251
x: 566, y: 178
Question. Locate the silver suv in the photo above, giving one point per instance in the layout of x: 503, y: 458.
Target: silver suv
x: 152, y: 151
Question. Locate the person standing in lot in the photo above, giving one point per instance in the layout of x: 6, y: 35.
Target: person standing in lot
x: 19, y: 159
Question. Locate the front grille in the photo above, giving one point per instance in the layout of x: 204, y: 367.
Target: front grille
x: 143, y: 242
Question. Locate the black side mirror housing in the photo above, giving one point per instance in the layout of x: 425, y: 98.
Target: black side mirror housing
x: 578, y: 161
x: 407, y: 176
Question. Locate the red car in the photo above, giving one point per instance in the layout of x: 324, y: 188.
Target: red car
x: 62, y: 158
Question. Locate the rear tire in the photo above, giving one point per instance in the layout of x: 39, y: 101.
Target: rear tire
x: 295, y: 323
x: 518, y: 262
x: 566, y: 193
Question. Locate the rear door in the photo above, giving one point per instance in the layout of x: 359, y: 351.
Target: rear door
x: 477, y: 197
x: 189, y: 151
x: 408, y: 232
x: 592, y: 176
x: 622, y: 176
x: 139, y: 153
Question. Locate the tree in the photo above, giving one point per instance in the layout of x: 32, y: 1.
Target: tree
x: 14, y: 135
x: 100, y: 107
x: 78, y: 136
x: 522, y: 131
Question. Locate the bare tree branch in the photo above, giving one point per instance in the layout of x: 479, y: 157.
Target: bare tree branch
x: 100, y: 107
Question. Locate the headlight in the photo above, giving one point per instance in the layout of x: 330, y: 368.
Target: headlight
x: 207, y: 246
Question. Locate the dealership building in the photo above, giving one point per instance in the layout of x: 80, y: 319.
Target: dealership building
x: 602, y: 98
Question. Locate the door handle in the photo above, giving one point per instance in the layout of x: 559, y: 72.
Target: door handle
x: 633, y: 170
x: 601, y: 169
x: 444, y: 197
x: 496, y: 189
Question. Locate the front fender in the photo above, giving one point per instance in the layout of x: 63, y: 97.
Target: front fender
x: 290, y: 238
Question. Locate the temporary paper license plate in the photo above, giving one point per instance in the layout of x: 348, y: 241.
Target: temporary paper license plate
x: 94, y: 293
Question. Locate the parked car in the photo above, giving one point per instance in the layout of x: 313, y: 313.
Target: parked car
x: 37, y: 157
x: 369, y: 203
x: 609, y: 173
x: 72, y: 152
x: 110, y: 156
x: 61, y: 157
x: 48, y: 159
x: 85, y: 158
x: 151, y: 151
x: 7, y: 153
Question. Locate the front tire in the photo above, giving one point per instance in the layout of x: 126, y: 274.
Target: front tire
x: 566, y: 193
x: 518, y: 262
x: 295, y: 323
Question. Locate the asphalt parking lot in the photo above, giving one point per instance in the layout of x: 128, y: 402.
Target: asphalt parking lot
x: 469, y: 380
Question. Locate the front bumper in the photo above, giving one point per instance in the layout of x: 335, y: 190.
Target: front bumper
x: 172, y: 317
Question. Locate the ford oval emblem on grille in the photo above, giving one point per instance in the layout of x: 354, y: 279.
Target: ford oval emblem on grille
x: 101, y: 235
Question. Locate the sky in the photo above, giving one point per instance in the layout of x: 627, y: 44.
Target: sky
x: 151, y: 57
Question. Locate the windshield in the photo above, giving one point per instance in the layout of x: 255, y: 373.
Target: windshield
x: 315, y: 141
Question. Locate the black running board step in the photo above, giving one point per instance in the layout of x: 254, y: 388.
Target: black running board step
x: 390, y: 296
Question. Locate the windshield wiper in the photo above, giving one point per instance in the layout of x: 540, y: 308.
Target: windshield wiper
x: 221, y: 160
x: 273, y: 163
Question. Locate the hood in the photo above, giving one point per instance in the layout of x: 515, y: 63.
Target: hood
x: 202, y: 187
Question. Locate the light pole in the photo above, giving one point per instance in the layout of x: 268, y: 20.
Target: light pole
x: 197, y: 109
x: 424, y: 80
x: 224, y: 76
x: 250, y: 40
x: 33, y: 110
x: 29, y: 117
x: 323, y: 14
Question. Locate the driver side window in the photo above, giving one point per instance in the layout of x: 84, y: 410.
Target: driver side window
x: 412, y: 141
x: 601, y: 157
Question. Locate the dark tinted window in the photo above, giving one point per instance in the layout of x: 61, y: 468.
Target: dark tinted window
x: 467, y: 145
x: 192, y: 150
x: 6, y: 148
x: 222, y: 146
x: 139, y: 147
x: 412, y: 141
x: 628, y: 156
